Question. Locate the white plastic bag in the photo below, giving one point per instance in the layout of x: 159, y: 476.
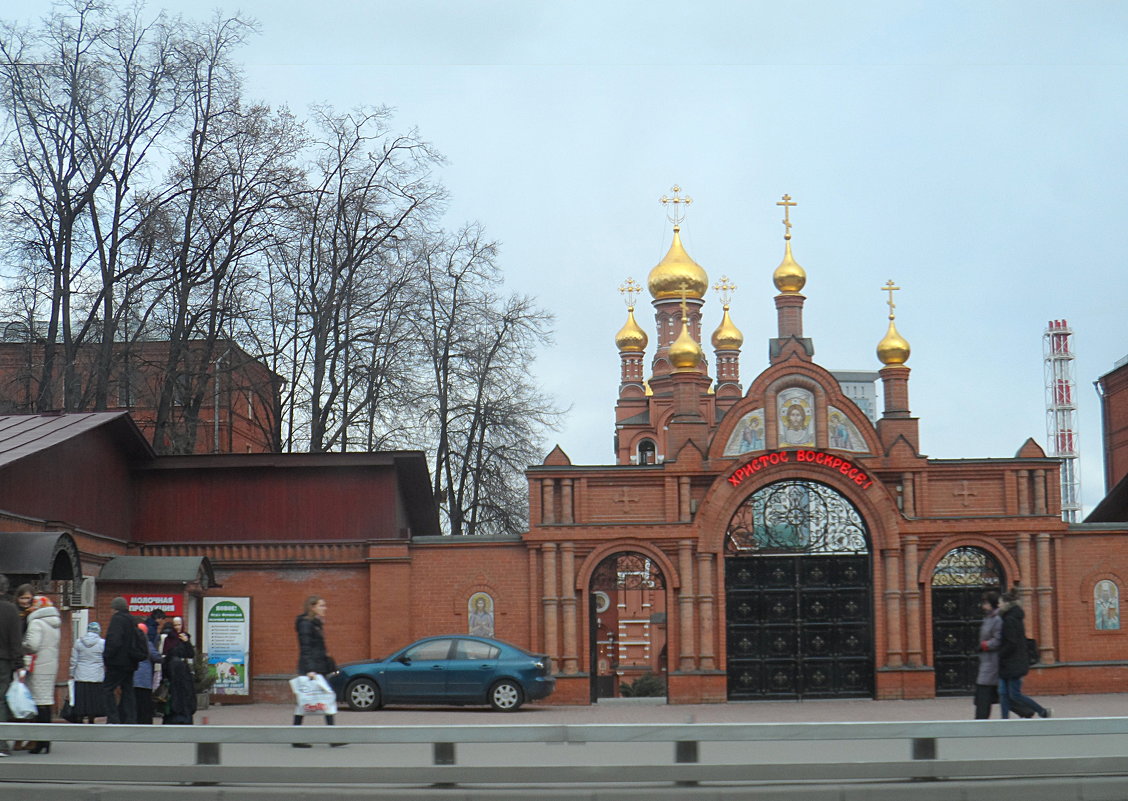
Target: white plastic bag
x: 314, y: 696
x: 20, y: 703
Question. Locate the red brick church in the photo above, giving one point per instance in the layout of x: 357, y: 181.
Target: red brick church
x: 769, y: 540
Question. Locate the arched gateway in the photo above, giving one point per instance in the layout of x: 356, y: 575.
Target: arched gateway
x: 798, y: 588
x: 627, y: 614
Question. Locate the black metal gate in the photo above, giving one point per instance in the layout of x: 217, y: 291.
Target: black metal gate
x: 958, y: 584
x: 798, y: 591
x: 799, y: 627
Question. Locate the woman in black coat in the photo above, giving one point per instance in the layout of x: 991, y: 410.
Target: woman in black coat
x: 178, y: 654
x: 313, y: 658
x: 1013, y: 664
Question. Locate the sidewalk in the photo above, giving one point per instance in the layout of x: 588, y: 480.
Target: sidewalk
x: 646, y: 710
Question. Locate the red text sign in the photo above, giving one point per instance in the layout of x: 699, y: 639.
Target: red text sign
x: 825, y: 460
x: 171, y: 605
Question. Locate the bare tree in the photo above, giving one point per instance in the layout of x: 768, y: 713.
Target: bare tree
x: 87, y: 96
x: 369, y: 191
x: 482, y: 412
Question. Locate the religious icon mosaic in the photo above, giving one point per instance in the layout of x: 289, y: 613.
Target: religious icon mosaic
x: 1106, y: 605
x: 796, y: 415
x: 480, y: 613
x: 748, y: 435
x: 842, y: 433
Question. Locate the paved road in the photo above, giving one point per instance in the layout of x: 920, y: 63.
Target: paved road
x: 620, y: 711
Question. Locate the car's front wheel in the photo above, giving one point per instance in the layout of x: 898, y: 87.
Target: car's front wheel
x: 362, y: 695
x: 506, y: 696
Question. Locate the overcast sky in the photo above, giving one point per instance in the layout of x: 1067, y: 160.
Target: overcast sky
x: 974, y: 152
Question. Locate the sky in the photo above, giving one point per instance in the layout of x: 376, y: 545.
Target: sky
x: 973, y: 152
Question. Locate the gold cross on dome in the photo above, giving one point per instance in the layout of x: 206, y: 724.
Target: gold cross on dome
x: 674, y: 211
x: 630, y: 290
x: 890, y: 288
x: 724, y: 288
x: 787, y: 204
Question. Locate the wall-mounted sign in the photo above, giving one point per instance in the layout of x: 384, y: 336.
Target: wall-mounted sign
x: 141, y: 605
x: 827, y: 461
x: 227, y: 642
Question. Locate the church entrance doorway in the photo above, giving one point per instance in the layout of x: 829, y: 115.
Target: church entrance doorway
x: 958, y: 584
x: 627, y: 634
x: 798, y: 590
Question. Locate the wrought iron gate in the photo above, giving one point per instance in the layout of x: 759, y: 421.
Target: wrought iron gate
x: 958, y: 584
x: 798, y: 590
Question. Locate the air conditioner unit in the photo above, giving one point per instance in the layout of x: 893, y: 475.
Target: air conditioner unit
x: 86, y: 593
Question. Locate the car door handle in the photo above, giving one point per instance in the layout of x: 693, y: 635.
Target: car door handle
x: 485, y: 667
x: 436, y: 667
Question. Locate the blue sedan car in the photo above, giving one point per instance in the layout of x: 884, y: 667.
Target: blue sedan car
x: 451, y: 669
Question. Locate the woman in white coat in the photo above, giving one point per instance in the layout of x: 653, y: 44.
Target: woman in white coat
x: 88, y: 671
x: 41, y: 646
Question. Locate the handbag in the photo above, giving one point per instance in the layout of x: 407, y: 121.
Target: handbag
x: 1032, y: 655
x: 20, y: 703
x: 313, y: 696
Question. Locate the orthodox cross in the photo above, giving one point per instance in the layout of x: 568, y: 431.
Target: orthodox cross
x: 674, y: 211
x: 724, y: 288
x: 787, y: 204
x: 630, y: 290
x: 625, y: 499
x: 963, y: 491
x: 890, y: 288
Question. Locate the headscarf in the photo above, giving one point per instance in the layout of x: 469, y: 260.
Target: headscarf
x: 95, y: 627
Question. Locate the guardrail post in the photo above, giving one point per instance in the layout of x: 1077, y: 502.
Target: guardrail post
x: 443, y: 754
x: 924, y: 748
x: 685, y: 752
x: 207, y: 753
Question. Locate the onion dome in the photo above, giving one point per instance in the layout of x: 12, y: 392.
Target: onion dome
x: 675, y: 272
x: 727, y: 336
x: 789, y: 277
x: 893, y: 349
x: 631, y: 338
x: 685, y: 353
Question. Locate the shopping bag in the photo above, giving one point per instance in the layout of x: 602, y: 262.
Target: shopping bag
x: 20, y: 703
x: 313, y: 696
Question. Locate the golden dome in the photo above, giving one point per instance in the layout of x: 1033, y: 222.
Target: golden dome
x: 685, y: 353
x: 631, y: 337
x: 676, y: 270
x: 789, y: 276
x: 727, y: 336
x: 893, y: 349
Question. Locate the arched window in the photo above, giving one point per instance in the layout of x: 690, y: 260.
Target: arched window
x: 647, y: 452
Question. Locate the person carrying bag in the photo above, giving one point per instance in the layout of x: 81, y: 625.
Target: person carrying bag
x: 314, y: 663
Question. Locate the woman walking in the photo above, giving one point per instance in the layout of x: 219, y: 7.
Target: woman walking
x: 1013, y: 664
x: 88, y: 672
x: 41, y: 645
x: 313, y: 658
x: 990, y: 638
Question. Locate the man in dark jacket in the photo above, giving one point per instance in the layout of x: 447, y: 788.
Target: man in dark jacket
x: 1013, y: 664
x: 11, y: 650
x: 120, y: 664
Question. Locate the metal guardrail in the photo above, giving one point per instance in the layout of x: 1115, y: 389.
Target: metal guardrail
x: 920, y: 757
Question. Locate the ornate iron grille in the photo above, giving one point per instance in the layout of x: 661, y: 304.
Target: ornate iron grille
x: 967, y: 567
x: 627, y: 571
x: 798, y: 517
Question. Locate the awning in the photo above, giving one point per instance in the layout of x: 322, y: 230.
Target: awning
x: 159, y: 569
x: 39, y: 555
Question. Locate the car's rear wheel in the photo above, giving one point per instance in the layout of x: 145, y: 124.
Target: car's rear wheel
x: 362, y: 695
x: 506, y: 696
